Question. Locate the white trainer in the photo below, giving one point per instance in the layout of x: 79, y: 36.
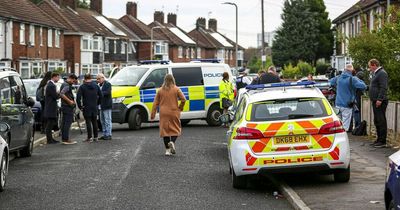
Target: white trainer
x: 168, y: 152
x: 171, y: 145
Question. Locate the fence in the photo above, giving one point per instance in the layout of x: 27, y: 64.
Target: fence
x: 392, y: 117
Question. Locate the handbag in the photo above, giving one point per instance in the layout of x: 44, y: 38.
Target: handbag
x: 226, y: 103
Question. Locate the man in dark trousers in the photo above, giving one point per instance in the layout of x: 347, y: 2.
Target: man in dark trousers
x: 68, y: 108
x: 105, y: 107
x: 270, y: 77
x: 378, y: 95
x: 51, y: 110
x: 88, y: 98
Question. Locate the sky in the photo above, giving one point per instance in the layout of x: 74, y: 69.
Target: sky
x: 249, y: 14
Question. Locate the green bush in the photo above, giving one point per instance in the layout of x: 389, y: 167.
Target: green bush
x: 291, y: 72
x: 305, y: 68
x: 255, y: 64
x: 321, y: 68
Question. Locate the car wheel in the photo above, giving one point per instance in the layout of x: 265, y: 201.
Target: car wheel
x: 238, y: 182
x: 3, y: 171
x: 213, y: 115
x: 135, y: 119
x: 28, y: 150
x: 342, y: 176
x: 391, y: 205
x: 185, y: 122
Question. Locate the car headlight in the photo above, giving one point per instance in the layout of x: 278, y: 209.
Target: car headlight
x: 118, y: 100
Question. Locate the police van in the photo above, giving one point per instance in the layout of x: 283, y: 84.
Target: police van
x: 134, y: 89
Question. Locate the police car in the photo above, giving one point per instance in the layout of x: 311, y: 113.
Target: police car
x: 392, y: 186
x: 134, y: 89
x: 286, y: 127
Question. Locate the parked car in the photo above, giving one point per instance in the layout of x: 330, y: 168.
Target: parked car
x: 323, y: 84
x: 392, y: 186
x: 4, y: 155
x: 16, y: 111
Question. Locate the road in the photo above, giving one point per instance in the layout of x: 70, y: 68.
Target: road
x: 131, y: 172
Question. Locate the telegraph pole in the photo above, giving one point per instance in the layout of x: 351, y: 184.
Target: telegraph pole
x: 262, y: 33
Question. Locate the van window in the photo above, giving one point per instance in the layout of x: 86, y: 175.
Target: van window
x: 5, y: 91
x: 188, y: 76
x: 128, y: 76
x: 18, y: 92
x: 155, y: 78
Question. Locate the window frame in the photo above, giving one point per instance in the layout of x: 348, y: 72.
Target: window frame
x: 123, y: 48
x: 22, y: 37
x: 198, y: 52
x: 180, y: 52
x: 41, y: 36
x: 106, y: 46
x: 32, y: 35
x: 57, y: 37
x: 50, y: 37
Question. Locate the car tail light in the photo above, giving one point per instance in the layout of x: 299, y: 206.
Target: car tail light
x: 332, y: 128
x: 248, y: 133
x: 235, y: 92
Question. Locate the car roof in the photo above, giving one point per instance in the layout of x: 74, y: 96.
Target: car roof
x: 7, y: 72
x: 268, y: 94
x: 182, y: 65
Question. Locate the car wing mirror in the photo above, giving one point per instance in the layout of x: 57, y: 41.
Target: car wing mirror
x: 30, y: 102
x: 4, y: 127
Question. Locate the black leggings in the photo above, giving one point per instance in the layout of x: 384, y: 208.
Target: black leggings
x: 91, y: 126
x: 167, y: 139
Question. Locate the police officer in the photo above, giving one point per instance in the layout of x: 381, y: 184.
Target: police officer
x: 67, y: 107
x: 242, y: 80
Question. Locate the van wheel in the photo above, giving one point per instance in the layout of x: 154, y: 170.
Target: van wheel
x: 238, y: 182
x: 3, y: 171
x: 185, y: 122
x: 28, y: 150
x: 213, y: 115
x: 342, y: 176
x: 135, y: 119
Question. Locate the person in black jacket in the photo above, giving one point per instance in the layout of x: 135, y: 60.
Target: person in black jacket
x: 378, y: 95
x: 105, y: 107
x: 40, y: 95
x: 51, y: 107
x: 88, y: 98
x: 270, y: 77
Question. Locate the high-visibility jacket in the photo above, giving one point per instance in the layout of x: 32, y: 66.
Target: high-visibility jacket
x: 226, y: 91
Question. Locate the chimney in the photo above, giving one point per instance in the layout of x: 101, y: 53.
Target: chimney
x: 67, y: 3
x: 159, y: 16
x: 172, y: 18
x: 131, y: 9
x: 97, y: 5
x: 201, y: 23
x: 212, y: 24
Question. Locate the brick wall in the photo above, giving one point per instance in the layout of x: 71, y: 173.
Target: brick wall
x: 174, y: 55
x: 72, y: 50
x: 143, y: 51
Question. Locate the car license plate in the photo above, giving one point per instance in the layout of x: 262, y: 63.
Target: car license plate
x: 299, y: 139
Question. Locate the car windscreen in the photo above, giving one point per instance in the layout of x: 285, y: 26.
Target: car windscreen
x: 288, y: 109
x: 128, y: 76
x: 31, y: 87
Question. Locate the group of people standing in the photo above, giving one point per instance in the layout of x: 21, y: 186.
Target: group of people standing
x: 349, y: 89
x: 93, y: 99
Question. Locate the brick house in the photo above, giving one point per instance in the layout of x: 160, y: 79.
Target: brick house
x: 365, y: 13
x: 215, y: 44
x: 181, y: 47
x: 144, y: 32
x: 92, y: 43
x: 32, y: 44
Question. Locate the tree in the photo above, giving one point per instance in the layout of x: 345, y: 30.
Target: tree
x: 297, y: 38
x: 83, y: 4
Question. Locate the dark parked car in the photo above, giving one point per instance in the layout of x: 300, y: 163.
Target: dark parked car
x: 15, y: 110
x: 392, y: 186
x: 4, y: 155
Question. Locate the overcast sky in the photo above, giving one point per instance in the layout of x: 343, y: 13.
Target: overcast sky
x: 249, y: 14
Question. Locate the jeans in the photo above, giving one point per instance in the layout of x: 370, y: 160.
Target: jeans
x: 91, y: 125
x: 106, y: 123
x: 66, y: 122
x: 51, y: 122
x: 167, y: 139
x: 345, y: 116
x: 380, y: 120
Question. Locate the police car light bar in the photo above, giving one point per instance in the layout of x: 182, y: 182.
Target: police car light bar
x: 206, y: 61
x: 283, y: 84
x: 148, y: 62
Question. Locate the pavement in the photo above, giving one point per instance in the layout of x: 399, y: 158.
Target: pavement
x: 131, y: 172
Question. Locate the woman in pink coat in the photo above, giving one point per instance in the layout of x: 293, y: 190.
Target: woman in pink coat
x: 167, y: 99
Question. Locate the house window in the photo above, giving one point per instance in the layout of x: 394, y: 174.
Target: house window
x: 231, y: 54
x: 24, y: 70
x: 187, y: 52
x: 50, y: 37
x: 52, y: 66
x: 41, y: 36
x: 85, y: 69
x: 22, y: 33
x: 86, y: 43
x: 198, y: 52
x: 129, y: 46
x: 192, y: 53
x: 371, y: 20
x: 32, y: 35
x: 106, y: 46
x: 123, y: 44
x: 115, y: 46
x: 1, y: 31
x: 180, y: 52
x: 95, y: 69
x: 97, y: 43
x: 161, y: 48
x: 57, y: 38
x: 227, y: 55
x: 220, y: 54
x: 37, y: 69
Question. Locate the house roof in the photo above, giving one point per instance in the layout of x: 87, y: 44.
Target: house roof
x: 140, y: 29
x: 204, y: 39
x: 357, y: 7
x: 233, y: 43
x: 27, y: 11
x: 92, y: 17
x: 169, y: 34
x: 131, y: 35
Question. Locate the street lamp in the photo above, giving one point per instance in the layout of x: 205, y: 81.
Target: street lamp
x: 151, y: 41
x: 236, y: 46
